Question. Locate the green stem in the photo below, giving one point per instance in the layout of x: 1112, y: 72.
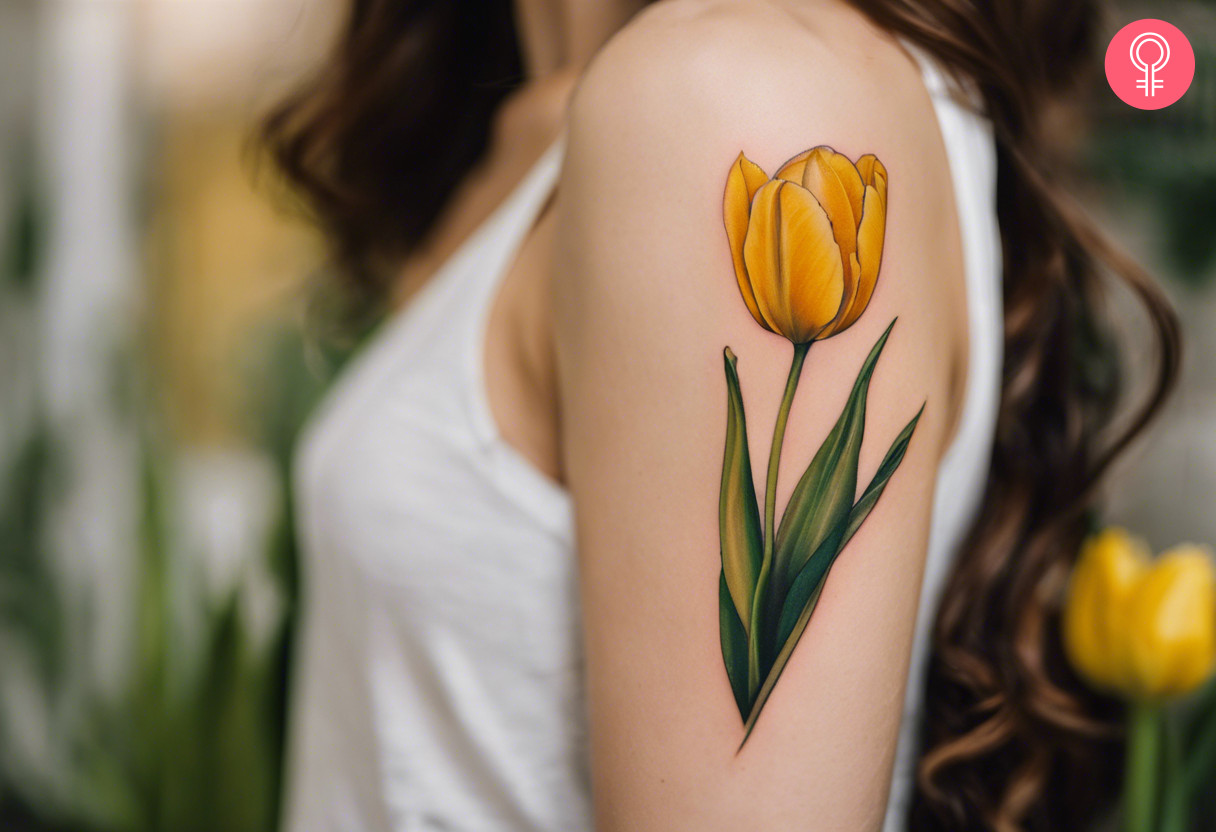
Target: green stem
x: 1141, y: 768
x: 755, y: 672
x: 1175, y: 801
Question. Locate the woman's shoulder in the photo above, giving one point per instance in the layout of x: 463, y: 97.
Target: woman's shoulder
x: 664, y: 113
x: 735, y: 65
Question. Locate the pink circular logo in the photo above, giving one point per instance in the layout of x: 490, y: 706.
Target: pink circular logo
x: 1150, y: 64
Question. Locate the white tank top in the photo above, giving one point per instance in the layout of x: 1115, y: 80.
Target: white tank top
x: 437, y: 683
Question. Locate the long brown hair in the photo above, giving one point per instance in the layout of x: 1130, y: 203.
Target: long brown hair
x: 1011, y: 740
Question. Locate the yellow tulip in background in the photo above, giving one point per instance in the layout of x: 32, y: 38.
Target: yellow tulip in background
x: 1145, y: 629
x: 1140, y: 628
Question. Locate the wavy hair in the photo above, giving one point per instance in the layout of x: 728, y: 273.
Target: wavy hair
x: 1011, y: 739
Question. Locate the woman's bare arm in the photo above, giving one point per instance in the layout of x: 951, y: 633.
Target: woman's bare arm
x: 647, y: 298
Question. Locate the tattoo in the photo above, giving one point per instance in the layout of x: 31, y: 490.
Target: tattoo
x: 806, y: 245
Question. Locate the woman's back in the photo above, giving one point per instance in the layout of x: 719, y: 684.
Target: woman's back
x: 442, y: 665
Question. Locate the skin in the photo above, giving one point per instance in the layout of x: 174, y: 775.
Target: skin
x: 558, y: 38
x: 604, y: 368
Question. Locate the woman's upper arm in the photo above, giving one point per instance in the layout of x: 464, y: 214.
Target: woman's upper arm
x: 647, y: 299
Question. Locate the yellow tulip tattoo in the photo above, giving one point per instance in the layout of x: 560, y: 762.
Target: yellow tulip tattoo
x: 806, y: 246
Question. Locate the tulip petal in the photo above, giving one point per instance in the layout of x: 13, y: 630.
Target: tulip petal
x: 792, y: 170
x: 852, y: 281
x: 1172, y: 639
x: 1096, y: 615
x: 744, y: 179
x: 873, y: 172
x: 838, y: 186
x: 793, y: 261
x: 867, y: 260
x: 836, y: 183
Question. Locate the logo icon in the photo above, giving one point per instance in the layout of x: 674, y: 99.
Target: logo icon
x: 1150, y: 64
x: 1150, y: 83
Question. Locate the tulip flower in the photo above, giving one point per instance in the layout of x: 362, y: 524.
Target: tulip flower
x: 807, y: 244
x: 1140, y: 628
x: 1172, y: 616
x: 1095, y: 615
x: 1146, y: 630
x: 806, y: 247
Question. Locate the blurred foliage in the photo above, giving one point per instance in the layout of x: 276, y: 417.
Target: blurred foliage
x: 166, y: 755
x: 289, y: 373
x: 1167, y: 159
x: 191, y: 743
x: 22, y: 242
x: 204, y: 754
x: 1199, y: 749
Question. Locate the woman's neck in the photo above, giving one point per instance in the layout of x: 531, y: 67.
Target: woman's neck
x: 562, y: 35
x: 557, y: 40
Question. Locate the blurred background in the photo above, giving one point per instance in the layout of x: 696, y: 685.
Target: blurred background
x: 156, y: 361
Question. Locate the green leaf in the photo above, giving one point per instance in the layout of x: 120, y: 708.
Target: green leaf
x: 824, y: 496
x: 734, y: 646
x: 783, y: 656
x: 739, y: 527
x: 806, y: 585
x: 815, y: 571
x: 804, y: 592
x: 1200, y: 753
x: 869, y: 497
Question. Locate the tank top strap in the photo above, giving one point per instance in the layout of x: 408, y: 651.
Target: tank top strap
x: 942, y: 85
x: 502, y: 233
x: 501, y: 238
x: 967, y: 135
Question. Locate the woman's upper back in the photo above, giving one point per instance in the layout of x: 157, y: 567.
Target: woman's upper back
x: 442, y: 662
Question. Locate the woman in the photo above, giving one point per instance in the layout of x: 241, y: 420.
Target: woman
x: 534, y: 572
